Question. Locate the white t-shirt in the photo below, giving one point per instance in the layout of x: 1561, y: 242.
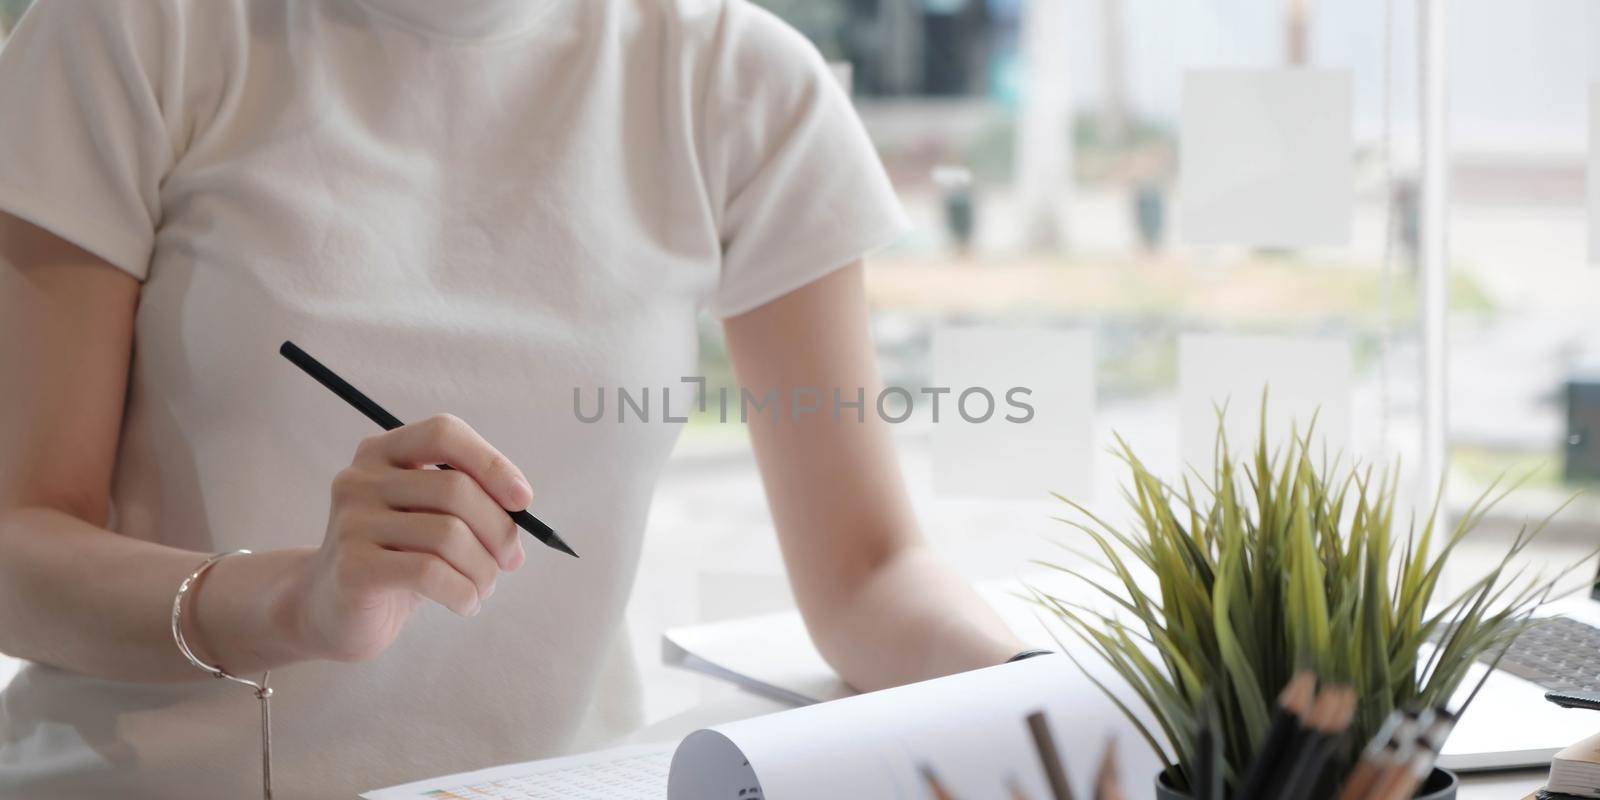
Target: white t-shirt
x: 473, y: 207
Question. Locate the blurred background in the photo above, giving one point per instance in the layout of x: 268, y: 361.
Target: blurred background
x: 949, y: 90
x: 1035, y: 144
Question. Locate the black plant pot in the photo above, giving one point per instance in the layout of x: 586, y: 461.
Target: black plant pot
x: 1440, y: 785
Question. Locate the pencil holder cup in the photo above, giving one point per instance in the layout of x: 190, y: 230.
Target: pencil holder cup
x: 1440, y: 785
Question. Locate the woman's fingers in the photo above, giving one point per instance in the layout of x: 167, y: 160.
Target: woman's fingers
x: 445, y: 538
x: 430, y: 577
x: 439, y: 533
x: 444, y: 439
x: 456, y: 494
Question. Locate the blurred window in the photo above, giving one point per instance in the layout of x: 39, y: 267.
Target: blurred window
x: 943, y: 86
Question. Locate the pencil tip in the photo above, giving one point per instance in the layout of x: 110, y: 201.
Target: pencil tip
x: 557, y: 543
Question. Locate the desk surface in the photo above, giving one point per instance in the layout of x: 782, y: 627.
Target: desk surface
x: 723, y: 703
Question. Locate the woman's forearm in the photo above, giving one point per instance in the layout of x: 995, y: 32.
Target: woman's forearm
x: 883, y: 609
x: 912, y: 618
x: 73, y: 594
x: 85, y: 599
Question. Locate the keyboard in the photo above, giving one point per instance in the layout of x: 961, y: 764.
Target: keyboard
x: 1560, y: 654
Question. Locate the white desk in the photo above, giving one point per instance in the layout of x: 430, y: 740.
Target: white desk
x: 726, y: 704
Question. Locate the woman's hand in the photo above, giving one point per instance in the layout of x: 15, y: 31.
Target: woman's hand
x: 400, y: 532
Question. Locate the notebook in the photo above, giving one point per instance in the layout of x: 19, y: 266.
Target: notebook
x: 969, y: 727
x: 1575, y: 771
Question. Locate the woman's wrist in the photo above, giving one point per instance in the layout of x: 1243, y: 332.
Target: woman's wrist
x: 290, y: 617
x: 248, y: 613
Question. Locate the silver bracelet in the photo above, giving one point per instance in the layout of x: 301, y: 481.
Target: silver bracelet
x: 262, y: 691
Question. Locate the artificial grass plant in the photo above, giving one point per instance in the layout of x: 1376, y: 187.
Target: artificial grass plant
x: 1275, y: 564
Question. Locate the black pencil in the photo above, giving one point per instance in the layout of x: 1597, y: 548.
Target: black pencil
x: 1335, y: 709
x: 389, y: 422
x: 1294, y: 701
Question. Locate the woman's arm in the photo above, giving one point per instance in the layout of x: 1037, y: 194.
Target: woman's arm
x: 882, y: 608
x: 78, y: 596
x: 73, y: 594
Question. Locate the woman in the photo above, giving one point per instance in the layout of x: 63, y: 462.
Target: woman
x: 473, y: 207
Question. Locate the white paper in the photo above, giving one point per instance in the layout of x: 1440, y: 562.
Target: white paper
x: 773, y: 656
x: 1050, y: 449
x: 625, y: 773
x: 970, y: 729
x: 1303, y: 376
x: 1265, y: 157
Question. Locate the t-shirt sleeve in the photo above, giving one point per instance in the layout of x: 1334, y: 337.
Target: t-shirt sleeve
x: 795, y: 184
x: 84, y: 145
